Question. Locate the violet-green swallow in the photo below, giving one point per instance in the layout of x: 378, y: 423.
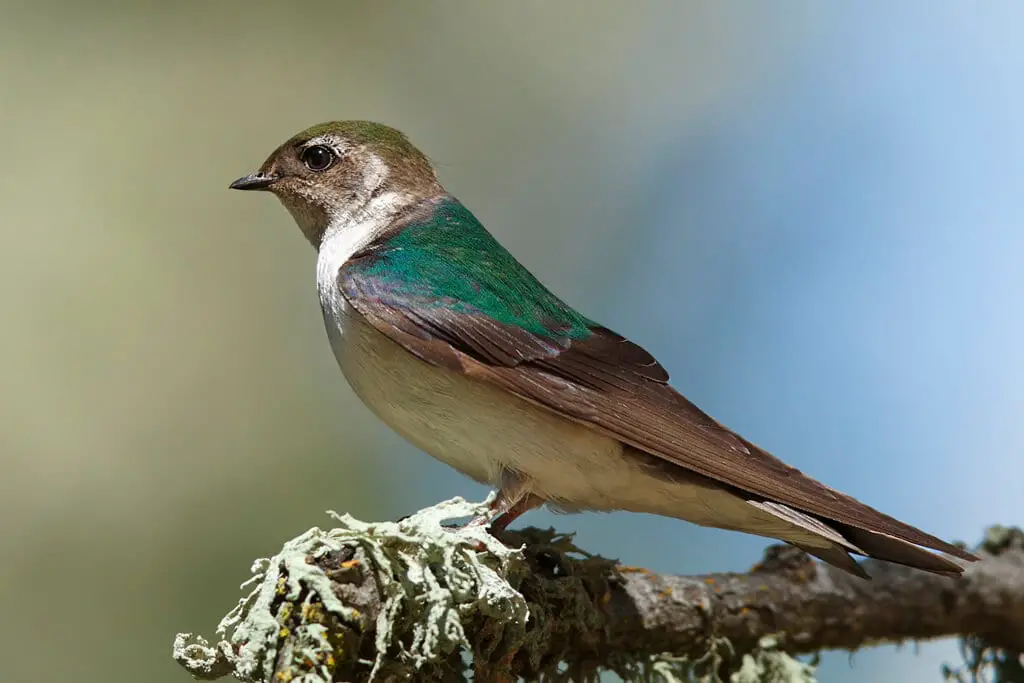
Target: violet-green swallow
x: 456, y: 346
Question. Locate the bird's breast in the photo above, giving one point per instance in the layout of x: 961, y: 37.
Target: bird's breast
x: 486, y: 433
x: 469, y: 424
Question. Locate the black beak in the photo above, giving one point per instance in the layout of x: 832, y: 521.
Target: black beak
x: 253, y: 181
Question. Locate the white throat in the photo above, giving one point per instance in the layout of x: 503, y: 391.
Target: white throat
x: 349, y: 232
x: 354, y: 226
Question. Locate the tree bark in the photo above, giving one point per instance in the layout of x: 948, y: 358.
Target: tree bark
x: 588, y: 614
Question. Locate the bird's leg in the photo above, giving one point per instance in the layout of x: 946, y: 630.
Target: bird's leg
x: 514, y: 498
x: 526, y: 503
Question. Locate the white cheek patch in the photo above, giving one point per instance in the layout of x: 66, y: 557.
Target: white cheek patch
x: 351, y: 231
x: 364, y: 207
x: 354, y: 226
x: 376, y: 174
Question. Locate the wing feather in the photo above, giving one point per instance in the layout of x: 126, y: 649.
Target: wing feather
x: 660, y: 421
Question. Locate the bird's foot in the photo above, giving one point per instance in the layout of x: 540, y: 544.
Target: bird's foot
x: 503, y: 512
x: 512, y: 512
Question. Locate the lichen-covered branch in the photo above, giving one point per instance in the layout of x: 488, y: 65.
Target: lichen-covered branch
x: 407, y: 600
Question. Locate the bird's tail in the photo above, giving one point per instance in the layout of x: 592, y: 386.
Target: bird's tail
x: 833, y: 542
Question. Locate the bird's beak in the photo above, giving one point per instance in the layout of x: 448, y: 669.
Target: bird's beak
x: 254, y: 181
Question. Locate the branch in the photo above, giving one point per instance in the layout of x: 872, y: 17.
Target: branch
x: 404, y: 600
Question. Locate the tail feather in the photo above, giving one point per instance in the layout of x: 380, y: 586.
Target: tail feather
x: 891, y: 549
x: 837, y: 556
x: 832, y: 542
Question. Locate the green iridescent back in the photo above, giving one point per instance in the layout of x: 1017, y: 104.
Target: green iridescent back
x: 450, y: 260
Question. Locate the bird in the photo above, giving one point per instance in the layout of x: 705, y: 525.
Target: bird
x: 456, y: 346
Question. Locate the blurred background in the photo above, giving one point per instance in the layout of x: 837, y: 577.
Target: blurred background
x: 810, y: 212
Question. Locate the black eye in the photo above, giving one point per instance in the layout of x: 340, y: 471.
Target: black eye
x: 318, y: 157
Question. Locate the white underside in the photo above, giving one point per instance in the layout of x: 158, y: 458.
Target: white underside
x: 498, y: 439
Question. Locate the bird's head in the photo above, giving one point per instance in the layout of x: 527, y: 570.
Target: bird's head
x: 334, y: 172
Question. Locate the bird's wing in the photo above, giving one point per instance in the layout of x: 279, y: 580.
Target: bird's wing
x: 498, y: 324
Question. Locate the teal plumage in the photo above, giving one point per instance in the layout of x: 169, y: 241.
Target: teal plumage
x: 448, y: 259
x: 440, y: 275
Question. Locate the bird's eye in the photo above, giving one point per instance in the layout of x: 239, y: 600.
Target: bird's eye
x: 318, y: 157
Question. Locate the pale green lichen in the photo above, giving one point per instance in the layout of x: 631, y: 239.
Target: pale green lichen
x: 435, y: 602
x: 443, y: 597
x: 767, y: 663
x: 432, y: 578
